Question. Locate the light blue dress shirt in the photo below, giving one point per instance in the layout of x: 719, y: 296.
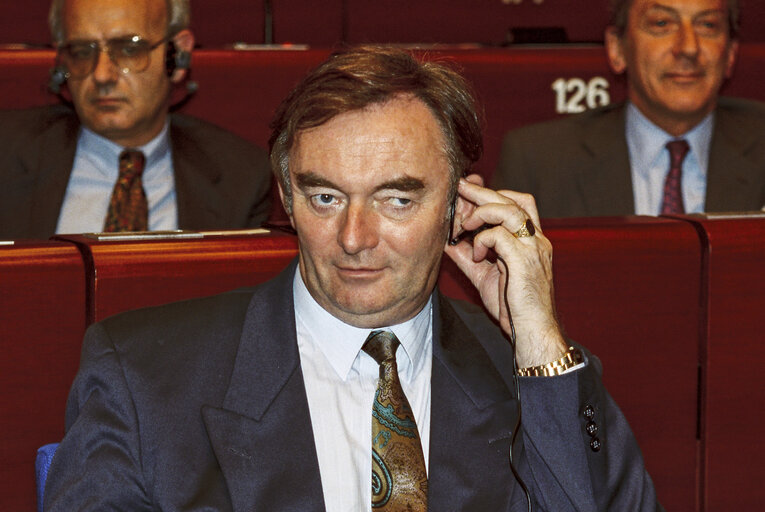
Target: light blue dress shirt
x: 341, y: 380
x: 649, y: 162
x: 94, y: 173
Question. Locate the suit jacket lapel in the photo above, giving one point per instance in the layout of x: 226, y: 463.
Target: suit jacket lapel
x: 200, y: 206
x: 473, y: 414
x: 50, y: 159
x: 262, y: 435
x: 606, y: 184
x: 734, y: 181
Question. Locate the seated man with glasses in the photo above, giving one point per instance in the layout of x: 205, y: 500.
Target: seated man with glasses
x: 115, y: 159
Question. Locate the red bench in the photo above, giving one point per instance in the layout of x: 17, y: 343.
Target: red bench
x: 42, y: 320
x: 732, y: 345
x: 330, y: 22
x: 131, y: 274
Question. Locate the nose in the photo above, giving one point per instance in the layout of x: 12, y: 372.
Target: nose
x: 106, y: 69
x: 686, y: 40
x: 359, y: 229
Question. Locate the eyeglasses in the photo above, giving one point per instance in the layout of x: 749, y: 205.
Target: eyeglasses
x: 129, y: 55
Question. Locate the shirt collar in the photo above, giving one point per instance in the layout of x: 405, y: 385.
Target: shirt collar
x: 105, y: 153
x: 341, y: 343
x: 647, y: 141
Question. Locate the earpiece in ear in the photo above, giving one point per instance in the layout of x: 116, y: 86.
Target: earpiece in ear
x: 182, y: 60
x: 57, y: 79
x: 176, y: 59
x: 452, y: 208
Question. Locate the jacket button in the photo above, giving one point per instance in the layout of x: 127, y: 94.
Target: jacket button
x: 595, y: 444
x: 591, y: 428
x: 589, y: 412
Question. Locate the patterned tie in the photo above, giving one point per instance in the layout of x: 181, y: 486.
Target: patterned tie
x: 673, y: 191
x: 399, y: 479
x: 128, y: 209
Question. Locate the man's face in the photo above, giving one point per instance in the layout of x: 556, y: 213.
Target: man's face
x: 676, y: 54
x: 129, y: 109
x: 370, y: 192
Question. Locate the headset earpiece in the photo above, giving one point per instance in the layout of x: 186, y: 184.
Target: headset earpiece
x: 57, y: 79
x: 176, y: 59
x: 182, y: 60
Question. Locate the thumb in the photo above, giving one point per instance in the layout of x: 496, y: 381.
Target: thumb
x: 462, y: 255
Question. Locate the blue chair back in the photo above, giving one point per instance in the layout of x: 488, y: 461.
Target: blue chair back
x: 42, y: 463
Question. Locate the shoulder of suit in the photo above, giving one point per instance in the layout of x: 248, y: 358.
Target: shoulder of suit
x: 474, y: 316
x: 569, y: 125
x: 742, y: 108
x: 202, y: 131
x: 38, y: 119
x: 182, y: 318
x: 463, y: 307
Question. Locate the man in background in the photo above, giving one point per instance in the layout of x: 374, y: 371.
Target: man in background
x: 674, y: 147
x: 116, y: 160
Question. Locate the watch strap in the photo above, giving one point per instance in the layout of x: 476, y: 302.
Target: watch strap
x: 570, y: 359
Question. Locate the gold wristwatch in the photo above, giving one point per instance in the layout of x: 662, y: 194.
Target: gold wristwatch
x: 570, y: 359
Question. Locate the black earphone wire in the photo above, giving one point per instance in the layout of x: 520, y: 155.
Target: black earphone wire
x: 516, y: 386
x: 468, y: 235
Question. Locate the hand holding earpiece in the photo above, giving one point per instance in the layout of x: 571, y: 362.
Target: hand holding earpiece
x: 523, y: 267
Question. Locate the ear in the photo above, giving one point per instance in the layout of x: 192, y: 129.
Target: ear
x: 287, y: 209
x: 615, y: 51
x: 732, y: 54
x: 184, y: 42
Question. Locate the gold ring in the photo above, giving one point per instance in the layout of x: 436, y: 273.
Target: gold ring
x: 527, y: 229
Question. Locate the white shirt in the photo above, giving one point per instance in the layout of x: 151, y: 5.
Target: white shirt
x: 649, y: 162
x: 94, y: 173
x: 341, y: 380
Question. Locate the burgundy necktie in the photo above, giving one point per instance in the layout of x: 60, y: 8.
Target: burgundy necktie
x: 399, y: 479
x: 673, y: 191
x: 128, y: 209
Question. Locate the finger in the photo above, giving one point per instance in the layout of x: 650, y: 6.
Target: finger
x: 509, y: 217
x: 528, y: 252
x: 475, y: 179
x: 479, y: 194
x: 480, y: 207
x: 525, y: 201
x: 475, y: 270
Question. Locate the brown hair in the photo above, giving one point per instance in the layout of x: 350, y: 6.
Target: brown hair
x: 359, y: 77
x: 620, y: 13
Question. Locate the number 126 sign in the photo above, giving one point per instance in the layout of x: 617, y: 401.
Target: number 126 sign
x: 574, y: 95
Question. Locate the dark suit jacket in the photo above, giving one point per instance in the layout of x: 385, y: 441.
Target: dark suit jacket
x: 579, y: 166
x: 201, y: 405
x: 221, y: 180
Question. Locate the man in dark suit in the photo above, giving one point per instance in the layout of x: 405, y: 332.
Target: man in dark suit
x: 260, y: 399
x: 616, y: 160
x: 119, y: 61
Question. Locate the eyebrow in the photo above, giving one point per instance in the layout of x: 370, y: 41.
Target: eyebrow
x: 405, y: 184
x: 311, y: 179
x: 671, y: 10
